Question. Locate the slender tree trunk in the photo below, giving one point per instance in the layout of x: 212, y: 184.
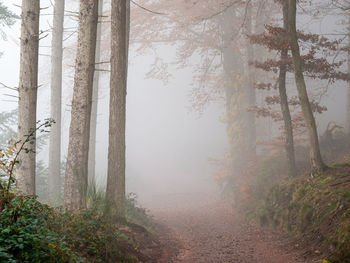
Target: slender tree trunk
x: 94, y: 108
x: 28, y: 87
x: 292, y: 171
x: 56, y: 101
x: 76, y: 177
x: 127, y: 36
x: 348, y: 85
x: 232, y: 65
x: 251, y: 99
x: 315, y: 154
x: 116, y: 150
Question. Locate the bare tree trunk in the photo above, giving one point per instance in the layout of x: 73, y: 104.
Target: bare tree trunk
x: 94, y: 108
x: 116, y: 150
x: 251, y: 99
x: 76, y: 177
x: 315, y: 154
x: 56, y: 101
x: 292, y: 171
x: 127, y: 36
x: 232, y: 65
x: 28, y: 87
x: 348, y: 84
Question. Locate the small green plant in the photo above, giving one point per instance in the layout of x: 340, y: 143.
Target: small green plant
x: 9, y: 156
x: 34, y: 232
x: 325, y: 181
x: 25, y: 235
x: 136, y: 213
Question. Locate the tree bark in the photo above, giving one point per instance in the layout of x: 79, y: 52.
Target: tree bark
x: 56, y: 102
x: 292, y: 171
x: 348, y: 85
x: 315, y: 154
x: 127, y: 36
x: 76, y: 176
x: 28, y: 86
x: 116, y: 150
x: 251, y: 98
x: 94, y: 108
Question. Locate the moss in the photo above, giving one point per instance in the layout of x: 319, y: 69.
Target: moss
x: 341, y: 175
x: 313, y: 209
x: 346, y: 195
x: 340, y: 165
x: 325, y: 181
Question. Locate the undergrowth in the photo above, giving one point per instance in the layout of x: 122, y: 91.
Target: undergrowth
x: 34, y: 232
x: 313, y: 209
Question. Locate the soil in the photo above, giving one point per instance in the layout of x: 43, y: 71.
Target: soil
x: 198, y: 228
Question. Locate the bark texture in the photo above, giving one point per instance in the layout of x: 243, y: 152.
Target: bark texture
x: 56, y: 102
x: 76, y: 176
x: 292, y: 171
x: 28, y: 86
x: 348, y: 85
x: 94, y: 108
x: 116, y: 149
x: 315, y: 154
x: 250, y: 90
x: 236, y: 95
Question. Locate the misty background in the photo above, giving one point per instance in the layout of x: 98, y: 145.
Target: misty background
x: 169, y: 146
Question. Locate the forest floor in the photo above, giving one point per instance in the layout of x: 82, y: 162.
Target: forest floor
x: 200, y: 228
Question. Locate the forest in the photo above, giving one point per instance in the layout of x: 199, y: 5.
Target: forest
x: 168, y: 131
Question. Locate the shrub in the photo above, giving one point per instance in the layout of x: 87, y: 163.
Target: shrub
x: 34, y: 232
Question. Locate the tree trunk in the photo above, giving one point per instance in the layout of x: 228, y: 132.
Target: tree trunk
x: 94, y: 108
x: 56, y: 101
x: 250, y: 73
x: 292, y: 171
x: 28, y: 87
x: 315, y: 154
x: 76, y: 177
x: 116, y: 150
x: 127, y: 36
x: 232, y: 65
x: 348, y: 85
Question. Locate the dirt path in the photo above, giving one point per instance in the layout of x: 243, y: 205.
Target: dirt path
x: 208, y: 231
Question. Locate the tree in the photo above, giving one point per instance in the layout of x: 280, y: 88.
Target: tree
x: 7, y: 18
x: 8, y: 121
x: 211, y: 32
x: 315, y: 154
x: 251, y: 96
x: 118, y: 82
x: 56, y: 101
x: 76, y: 175
x: 292, y: 170
x: 346, y: 7
x: 94, y: 108
x: 318, y: 51
x: 28, y: 86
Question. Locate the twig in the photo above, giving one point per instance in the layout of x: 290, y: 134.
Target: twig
x: 7, y: 87
x: 45, y: 124
x: 146, y: 9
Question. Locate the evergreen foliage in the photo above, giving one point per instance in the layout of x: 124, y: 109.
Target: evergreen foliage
x: 7, y: 19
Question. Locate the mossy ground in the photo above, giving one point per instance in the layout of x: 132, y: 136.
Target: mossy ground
x: 316, y: 210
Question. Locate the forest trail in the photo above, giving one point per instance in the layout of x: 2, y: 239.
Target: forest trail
x: 208, y: 231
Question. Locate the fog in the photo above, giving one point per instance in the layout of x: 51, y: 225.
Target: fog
x: 232, y: 157
x: 169, y: 145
